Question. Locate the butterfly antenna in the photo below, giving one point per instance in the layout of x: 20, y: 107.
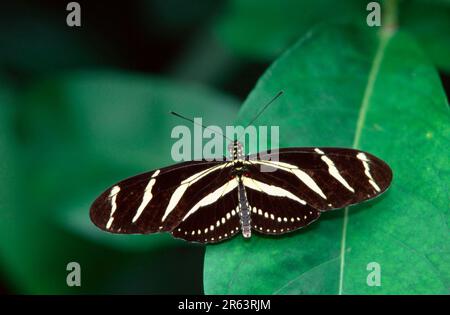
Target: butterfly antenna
x: 262, y: 110
x: 265, y: 107
x: 198, y: 124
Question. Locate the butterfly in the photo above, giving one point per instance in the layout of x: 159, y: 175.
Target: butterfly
x: 211, y: 201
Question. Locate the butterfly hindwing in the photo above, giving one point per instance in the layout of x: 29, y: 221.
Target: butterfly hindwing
x: 215, y: 221
x: 275, y: 213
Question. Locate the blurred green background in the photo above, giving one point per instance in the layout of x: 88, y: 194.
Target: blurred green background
x: 83, y: 107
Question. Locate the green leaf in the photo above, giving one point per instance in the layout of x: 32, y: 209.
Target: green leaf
x: 7, y: 149
x: 351, y: 88
x: 78, y: 134
x: 274, y: 25
x: 430, y: 24
x: 35, y: 40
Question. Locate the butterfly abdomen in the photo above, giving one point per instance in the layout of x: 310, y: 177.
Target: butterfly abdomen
x: 244, y: 211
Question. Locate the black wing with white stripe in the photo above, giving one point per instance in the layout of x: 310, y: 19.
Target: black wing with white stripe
x: 325, y: 178
x: 277, y: 213
x: 215, y: 221
x: 198, y: 200
x: 158, y: 200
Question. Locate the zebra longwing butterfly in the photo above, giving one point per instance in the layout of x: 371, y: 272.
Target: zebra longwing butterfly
x: 210, y: 201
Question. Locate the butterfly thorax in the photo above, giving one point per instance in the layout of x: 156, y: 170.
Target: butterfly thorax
x: 236, y: 152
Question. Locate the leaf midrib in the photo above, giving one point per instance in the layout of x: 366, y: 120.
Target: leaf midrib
x: 387, y: 32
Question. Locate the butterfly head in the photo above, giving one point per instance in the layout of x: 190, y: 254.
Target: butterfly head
x: 235, y: 150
